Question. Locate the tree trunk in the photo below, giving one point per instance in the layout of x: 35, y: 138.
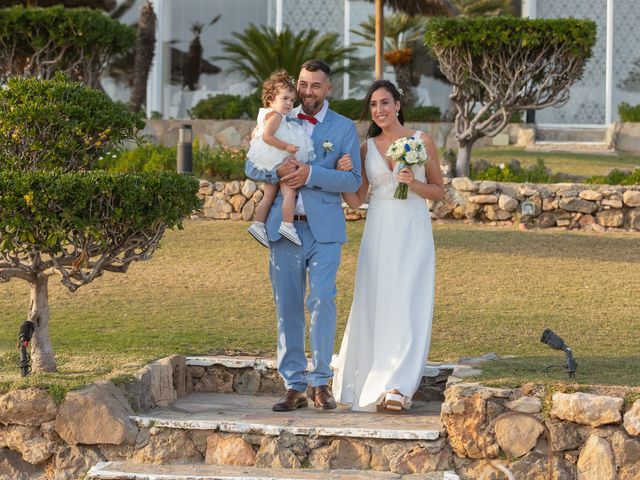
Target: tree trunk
x: 41, y: 350
x: 403, y: 78
x: 463, y: 161
x: 143, y: 56
x: 379, y: 42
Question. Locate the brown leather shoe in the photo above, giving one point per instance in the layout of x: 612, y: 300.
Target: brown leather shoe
x: 323, y: 398
x: 293, y: 399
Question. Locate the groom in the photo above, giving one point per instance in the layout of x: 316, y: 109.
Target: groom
x: 319, y: 221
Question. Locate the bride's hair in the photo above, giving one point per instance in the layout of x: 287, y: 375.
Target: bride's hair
x: 374, y: 130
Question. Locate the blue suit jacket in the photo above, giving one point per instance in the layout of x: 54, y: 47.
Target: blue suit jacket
x: 321, y: 194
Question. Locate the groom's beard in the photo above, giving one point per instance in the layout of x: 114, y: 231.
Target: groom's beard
x: 311, y: 105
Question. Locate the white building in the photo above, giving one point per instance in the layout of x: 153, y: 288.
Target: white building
x: 594, y: 100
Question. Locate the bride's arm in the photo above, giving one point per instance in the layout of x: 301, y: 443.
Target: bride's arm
x: 356, y: 199
x: 433, y: 189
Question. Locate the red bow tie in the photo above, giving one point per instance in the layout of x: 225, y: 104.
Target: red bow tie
x: 308, y: 118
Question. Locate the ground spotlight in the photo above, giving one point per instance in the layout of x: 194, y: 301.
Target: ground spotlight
x: 26, y: 332
x: 554, y: 341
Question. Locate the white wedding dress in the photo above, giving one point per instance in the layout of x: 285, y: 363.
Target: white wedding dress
x: 386, y: 341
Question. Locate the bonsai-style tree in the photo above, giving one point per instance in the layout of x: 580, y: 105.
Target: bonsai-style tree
x: 38, y: 42
x: 59, y: 218
x: 501, y: 65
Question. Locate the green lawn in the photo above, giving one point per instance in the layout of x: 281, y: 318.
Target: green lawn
x: 560, y: 162
x: 207, y: 290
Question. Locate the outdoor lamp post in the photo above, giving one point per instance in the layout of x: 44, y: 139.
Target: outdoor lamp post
x: 554, y: 341
x: 184, y: 150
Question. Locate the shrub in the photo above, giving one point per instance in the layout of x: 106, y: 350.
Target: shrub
x: 513, y: 172
x: 224, y: 107
x: 628, y: 113
x: 219, y: 163
x: 59, y: 123
x: 422, y: 114
x: 219, y: 107
x: 617, y: 177
x: 37, y: 42
x: 350, y: 107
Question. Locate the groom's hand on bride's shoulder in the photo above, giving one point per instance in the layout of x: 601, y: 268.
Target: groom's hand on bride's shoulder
x: 297, y: 178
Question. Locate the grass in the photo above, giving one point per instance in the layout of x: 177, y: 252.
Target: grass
x: 582, y: 164
x: 207, y: 290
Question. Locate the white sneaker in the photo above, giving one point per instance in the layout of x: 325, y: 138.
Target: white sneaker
x: 259, y: 232
x: 289, y: 232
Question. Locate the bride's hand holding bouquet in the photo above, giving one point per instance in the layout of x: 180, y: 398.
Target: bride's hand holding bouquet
x: 406, y: 152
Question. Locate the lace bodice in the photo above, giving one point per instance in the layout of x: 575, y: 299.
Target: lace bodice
x: 382, y: 180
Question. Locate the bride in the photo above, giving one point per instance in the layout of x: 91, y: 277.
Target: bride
x: 386, y: 341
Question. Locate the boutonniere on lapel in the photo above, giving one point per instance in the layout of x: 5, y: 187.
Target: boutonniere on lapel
x: 327, y: 146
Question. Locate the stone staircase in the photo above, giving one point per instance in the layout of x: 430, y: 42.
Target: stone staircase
x: 576, y: 140
x: 224, y: 428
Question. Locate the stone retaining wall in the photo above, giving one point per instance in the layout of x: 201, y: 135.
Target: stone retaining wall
x: 42, y: 440
x: 260, y: 377
x: 572, y: 435
x: 237, y: 133
x: 575, y: 435
x: 569, y: 206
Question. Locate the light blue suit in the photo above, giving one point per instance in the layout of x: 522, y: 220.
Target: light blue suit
x: 322, y: 238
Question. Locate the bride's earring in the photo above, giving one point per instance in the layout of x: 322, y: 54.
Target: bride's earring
x: 397, y: 113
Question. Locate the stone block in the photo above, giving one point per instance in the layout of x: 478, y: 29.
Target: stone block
x: 229, y: 451
x: 631, y: 198
x: 31, y: 406
x: 632, y: 419
x: 596, y: 460
x: 96, y: 414
x: 500, y: 140
x: 587, y: 409
x: 610, y: 218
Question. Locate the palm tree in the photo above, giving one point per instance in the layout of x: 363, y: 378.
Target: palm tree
x: 144, y: 52
x: 403, y: 36
x: 192, y: 67
x: 259, y: 51
x: 412, y: 7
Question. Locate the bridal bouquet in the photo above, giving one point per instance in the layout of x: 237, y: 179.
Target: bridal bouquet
x: 407, y: 151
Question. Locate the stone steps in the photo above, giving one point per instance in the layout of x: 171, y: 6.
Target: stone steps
x: 138, y: 471
x: 223, y: 424
x: 241, y: 414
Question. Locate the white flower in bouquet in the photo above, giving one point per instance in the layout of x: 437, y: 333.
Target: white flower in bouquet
x: 406, y: 152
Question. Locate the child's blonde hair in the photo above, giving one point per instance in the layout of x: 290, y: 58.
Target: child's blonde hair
x: 273, y: 84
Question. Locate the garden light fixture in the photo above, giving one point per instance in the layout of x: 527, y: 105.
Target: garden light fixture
x: 26, y: 332
x: 554, y: 341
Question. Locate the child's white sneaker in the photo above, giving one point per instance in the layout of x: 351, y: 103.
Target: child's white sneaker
x: 259, y: 232
x: 288, y: 231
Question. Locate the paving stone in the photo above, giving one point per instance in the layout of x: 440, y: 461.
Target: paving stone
x: 135, y: 471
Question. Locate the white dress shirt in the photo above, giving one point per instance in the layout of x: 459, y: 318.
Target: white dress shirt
x: 308, y: 127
